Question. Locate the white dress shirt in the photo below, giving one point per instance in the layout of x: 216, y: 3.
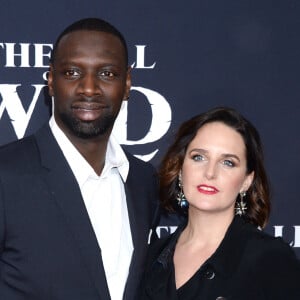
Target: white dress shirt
x: 105, y: 200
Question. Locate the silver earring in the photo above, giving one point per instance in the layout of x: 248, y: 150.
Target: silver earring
x: 240, y: 206
x: 181, y: 200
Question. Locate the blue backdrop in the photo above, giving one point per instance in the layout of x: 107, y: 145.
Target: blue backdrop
x: 186, y: 57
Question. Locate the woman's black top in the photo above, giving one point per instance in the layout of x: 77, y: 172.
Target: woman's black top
x: 248, y: 265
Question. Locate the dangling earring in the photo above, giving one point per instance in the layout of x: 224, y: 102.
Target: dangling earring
x: 181, y: 200
x: 240, y: 206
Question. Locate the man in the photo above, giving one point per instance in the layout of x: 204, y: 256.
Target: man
x: 75, y: 210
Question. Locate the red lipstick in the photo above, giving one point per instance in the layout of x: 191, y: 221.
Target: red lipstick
x: 207, y: 190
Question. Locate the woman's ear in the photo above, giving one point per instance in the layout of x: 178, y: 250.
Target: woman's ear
x: 247, y: 182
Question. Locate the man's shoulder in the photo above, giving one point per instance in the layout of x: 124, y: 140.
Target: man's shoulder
x: 135, y: 162
x: 17, y: 147
x: 18, y: 153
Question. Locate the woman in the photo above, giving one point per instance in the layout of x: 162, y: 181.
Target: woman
x: 214, y: 173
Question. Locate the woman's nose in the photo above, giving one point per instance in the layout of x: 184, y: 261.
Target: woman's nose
x: 210, y: 170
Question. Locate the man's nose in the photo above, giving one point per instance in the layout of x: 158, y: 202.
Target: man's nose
x: 90, y: 85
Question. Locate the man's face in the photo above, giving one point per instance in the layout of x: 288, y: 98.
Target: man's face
x: 88, y: 80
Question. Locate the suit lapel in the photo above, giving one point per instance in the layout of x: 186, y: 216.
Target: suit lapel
x: 65, y: 190
x: 139, y: 218
x: 135, y: 233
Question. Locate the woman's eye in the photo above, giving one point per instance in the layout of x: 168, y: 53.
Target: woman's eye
x: 197, y: 157
x: 228, y: 163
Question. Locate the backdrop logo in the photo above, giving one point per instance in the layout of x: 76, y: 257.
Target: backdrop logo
x: 292, y: 236
x: 161, y: 120
x: 26, y: 55
x: 279, y: 231
x: 11, y: 101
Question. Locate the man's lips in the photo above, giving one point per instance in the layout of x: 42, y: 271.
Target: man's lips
x: 206, y: 189
x: 88, y: 111
x: 85, y: 105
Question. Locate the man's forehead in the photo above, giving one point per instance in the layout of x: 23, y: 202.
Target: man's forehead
x: 87, y: 39
x: 86, y: 46
x: 85, y: 34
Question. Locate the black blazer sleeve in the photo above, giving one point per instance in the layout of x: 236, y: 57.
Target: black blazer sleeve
x: 278, y: 271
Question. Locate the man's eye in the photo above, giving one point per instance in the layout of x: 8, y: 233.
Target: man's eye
x: 107, y: 74
x: 228, y: 163
x: 71, y: 73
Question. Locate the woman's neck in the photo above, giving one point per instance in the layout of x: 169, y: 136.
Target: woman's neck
x: 206, y: 228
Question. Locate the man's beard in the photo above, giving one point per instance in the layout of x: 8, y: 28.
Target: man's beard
x: 88, y: 129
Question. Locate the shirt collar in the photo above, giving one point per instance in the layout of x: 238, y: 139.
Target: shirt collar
x: 82, y: 170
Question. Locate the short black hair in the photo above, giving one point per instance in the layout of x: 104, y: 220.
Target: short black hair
x: 91, y: 24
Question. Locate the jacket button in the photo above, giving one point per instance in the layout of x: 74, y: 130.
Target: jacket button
x: 221, y: 298
x: 209, y: 274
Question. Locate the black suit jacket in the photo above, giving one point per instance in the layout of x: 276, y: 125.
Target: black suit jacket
x: 248, y: 265
x: 48, y: 249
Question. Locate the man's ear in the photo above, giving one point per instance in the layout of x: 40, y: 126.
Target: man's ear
x: 50, y: 81
x: 128, y: 83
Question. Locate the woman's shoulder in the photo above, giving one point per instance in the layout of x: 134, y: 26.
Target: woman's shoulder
x: 269, y: 251
x: 163, y: 243
x: 262, y: 241
x: 162, y: 249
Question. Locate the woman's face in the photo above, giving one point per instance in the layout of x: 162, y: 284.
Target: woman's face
x: 214, y: 169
